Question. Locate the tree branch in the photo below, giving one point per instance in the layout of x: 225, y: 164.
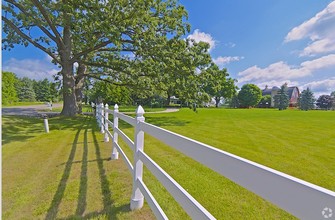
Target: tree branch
x: 26, y: 37
x: 85, y: 52
x: 21, y: 8
x: 97, y: 47
x: 109, y: 81
x: 51, y: 25
x: 116, y: 50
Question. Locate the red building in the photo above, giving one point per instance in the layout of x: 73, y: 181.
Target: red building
x: 292, y: 92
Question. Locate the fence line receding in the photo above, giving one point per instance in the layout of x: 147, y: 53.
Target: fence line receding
x: 298, y: 197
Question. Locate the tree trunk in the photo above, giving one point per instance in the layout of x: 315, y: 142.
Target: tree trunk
x: 69, y: 98
x: 80, y: 81
x: 168, y: 99
x: 217, y: 101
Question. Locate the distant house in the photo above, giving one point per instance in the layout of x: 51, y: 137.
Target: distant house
x: 174, y: 100
x: 292, y: 92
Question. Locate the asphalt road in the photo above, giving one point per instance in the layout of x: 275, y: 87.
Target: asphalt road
x: 33, y: 110
x: 37, y: 110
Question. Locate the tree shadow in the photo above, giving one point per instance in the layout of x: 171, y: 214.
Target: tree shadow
x: 67, y: 123
x: 20, y: 128
x: 81, y: 205
x: 106, y: 193
x: 110, y: 211
x: 53, y: 209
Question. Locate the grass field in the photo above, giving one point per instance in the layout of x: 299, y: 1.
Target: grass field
x: 88, y: 108
x: 65, y: 174
x: 69, y: 177
x: 23, y: 104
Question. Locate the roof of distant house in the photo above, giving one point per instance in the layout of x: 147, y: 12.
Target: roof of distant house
x: 268, y: 91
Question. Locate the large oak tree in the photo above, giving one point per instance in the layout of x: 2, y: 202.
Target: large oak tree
x: 88, y: 32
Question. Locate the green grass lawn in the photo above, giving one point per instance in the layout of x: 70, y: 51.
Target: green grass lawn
x: 88, y: 108
x: 85, y: 108
x: 298, y: 143
x: 66, y: 174
x: 23, y: 104
x: 133, y: 109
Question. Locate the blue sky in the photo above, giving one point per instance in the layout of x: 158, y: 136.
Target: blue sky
x: 265, y: 42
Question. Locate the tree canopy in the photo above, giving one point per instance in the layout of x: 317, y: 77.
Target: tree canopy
x: 281, y: 100
x: 9, y: 94
x: 249, y: 95
x: 25, y: 90
x: 120, y: 35
x: 265, y: 101
x: 109, y: 93
x: 306, y: 100
x: 325, y: 101
x: 218, y: 84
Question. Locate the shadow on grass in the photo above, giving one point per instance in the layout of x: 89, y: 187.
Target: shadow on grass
x: 53, y: 209
x: 20, y: 128
x: 67, y: 123
x: 109, y: 210
x: 83, y: 180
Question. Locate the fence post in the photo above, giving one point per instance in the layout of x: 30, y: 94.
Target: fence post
x: 115, y: 153
x: 97, y: 106
x: 137, y: 198
x: 106, y: 139
x: 102, y: 130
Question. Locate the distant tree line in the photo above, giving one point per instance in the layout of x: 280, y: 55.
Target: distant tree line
x: 191, y: 91
x: 210, y: 82
x: 326, y: 101
x: 15, y: 89
x: 251, y: 96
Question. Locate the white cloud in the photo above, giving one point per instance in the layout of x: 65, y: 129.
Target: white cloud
x: 281, y: 72
x: 48, y: 58
x: 220, y: 61
x: 320, y: 29
x: 322, y: 87
x: 198, y: 36
x: 32, y: 68
x: 277, y: 83
x: 230, y: 44
x: 319, y: 46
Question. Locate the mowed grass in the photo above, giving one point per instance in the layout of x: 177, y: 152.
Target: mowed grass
x: 66, y: 174
x: 88, y: 108
x: 301, y: 144
x: 133, y: 109
x: 22, y: 104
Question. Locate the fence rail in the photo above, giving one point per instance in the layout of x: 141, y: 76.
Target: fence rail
x: 300, y: 198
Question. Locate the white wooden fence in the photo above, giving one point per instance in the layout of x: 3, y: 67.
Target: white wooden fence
x: 298, y: 197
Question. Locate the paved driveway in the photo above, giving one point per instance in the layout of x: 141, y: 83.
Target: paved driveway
x: 36, y: 110
x: 32, y: 110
